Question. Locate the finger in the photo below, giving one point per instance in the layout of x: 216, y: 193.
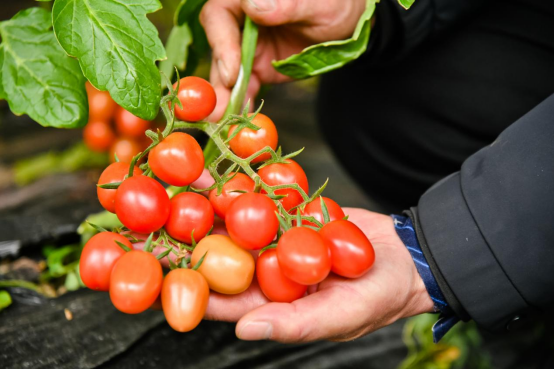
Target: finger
x: 252, y: 91
x: 278, y: 12
x: 222, y: 93
x: 221, y: 20
x: 336, y: 16
x: 329, y: 313
x: 204, y: 181
x: 230, y: 308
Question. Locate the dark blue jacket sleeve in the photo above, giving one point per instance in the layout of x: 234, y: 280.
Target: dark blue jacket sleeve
x: 488, y: 229
x: 397, y: 31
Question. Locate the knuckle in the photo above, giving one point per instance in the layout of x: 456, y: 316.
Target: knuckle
x: 206, y: 12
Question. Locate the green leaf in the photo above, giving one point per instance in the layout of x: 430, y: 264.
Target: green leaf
x: 2, y: 92
x: 62, y: 261
x: 328, y: 56
x: 72, y: 281
x: 5, y: 300
x: 176, y: 47
x: 186, y: 9
x: 117, y: 47
x: 37, y: 77
x: 406, y: 4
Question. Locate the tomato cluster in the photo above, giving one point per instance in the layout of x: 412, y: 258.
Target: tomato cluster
x: 302, y: 239
x: 113, y: 129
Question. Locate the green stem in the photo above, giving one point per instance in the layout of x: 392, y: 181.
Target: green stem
x: 249, y: 41
x: 20, y: 283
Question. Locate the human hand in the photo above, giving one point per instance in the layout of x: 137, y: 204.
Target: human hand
x: 338, y: 309
x: 286, y: 28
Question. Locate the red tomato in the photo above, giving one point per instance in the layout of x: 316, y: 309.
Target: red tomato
x: 197, y: 97
x: 352, y: 253
x: 279, y: 174
x: 115, y: 172
x: 251, y: 220
x: 142, y: 204
x: 98, y: 135
x: 125, y: 148
x: 130, y: 125
x: 240, y: 182
x: 185, y: 294
x: 313, y: 209
x: 136, y: 282
x: 189, y: 212
x: 304, y: 256
x: 100, y: 104
x: 98, y: 259
x: 177, y: 160
x: 248, y: 141
x: 274, y: 284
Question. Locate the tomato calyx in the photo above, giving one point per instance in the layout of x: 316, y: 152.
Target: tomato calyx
x: 124, y: 247
x: 243, y: 121
x: 280, y: 159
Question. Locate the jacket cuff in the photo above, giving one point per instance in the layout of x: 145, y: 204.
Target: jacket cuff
x: 464, y: 259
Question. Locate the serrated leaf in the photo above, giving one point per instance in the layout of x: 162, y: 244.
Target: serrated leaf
x: 328, y: 56
x: 406, y: 4
x: 176, y: 47
x: 37, y: 77
x: 116, y: 46
x: 186, y: 9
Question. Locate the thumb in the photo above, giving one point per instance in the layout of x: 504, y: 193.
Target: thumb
x: 278, y: 12
x: 314, y: 317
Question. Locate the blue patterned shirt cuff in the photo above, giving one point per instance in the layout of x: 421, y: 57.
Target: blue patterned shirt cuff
x: 447, y: 319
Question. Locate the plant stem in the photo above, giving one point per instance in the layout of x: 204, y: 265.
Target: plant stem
x: 19, y: 283
x: 249, y: 41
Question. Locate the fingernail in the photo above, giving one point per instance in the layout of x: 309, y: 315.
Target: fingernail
x: 263, y: 5
x: 254, y: 331
x: 223, y: 72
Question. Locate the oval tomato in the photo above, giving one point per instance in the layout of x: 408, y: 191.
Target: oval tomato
x: 352, y: 252
x: 185, y: 296
x: 251, y: 220
x: 177, y: 160
x: 240, y: 182
x: 128, y: 124
x: 125, y: 148
x: 313, y: 209
x: 249, y: 141
x: 142, y: 204
x: 136, y: 282
x: 114, y: 172
x: 228, y: 268
x: 98, y: 135
x: 273, y: 283
x: 197, y: 97
x: 189, y: 212
x: 304, y: 256
x: 98, y: 259
x: 100, y: 104
x: 279, y: 174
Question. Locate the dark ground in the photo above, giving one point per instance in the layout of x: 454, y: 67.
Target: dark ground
x: 34, y: 332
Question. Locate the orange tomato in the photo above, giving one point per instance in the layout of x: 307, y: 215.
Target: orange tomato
x: 98, y: 135
x: 136, y: 281
x: 125, y: 148
x: 227, y: 267
x: 185, y: 294
x: 100, y: 104
x: 128, y: 124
